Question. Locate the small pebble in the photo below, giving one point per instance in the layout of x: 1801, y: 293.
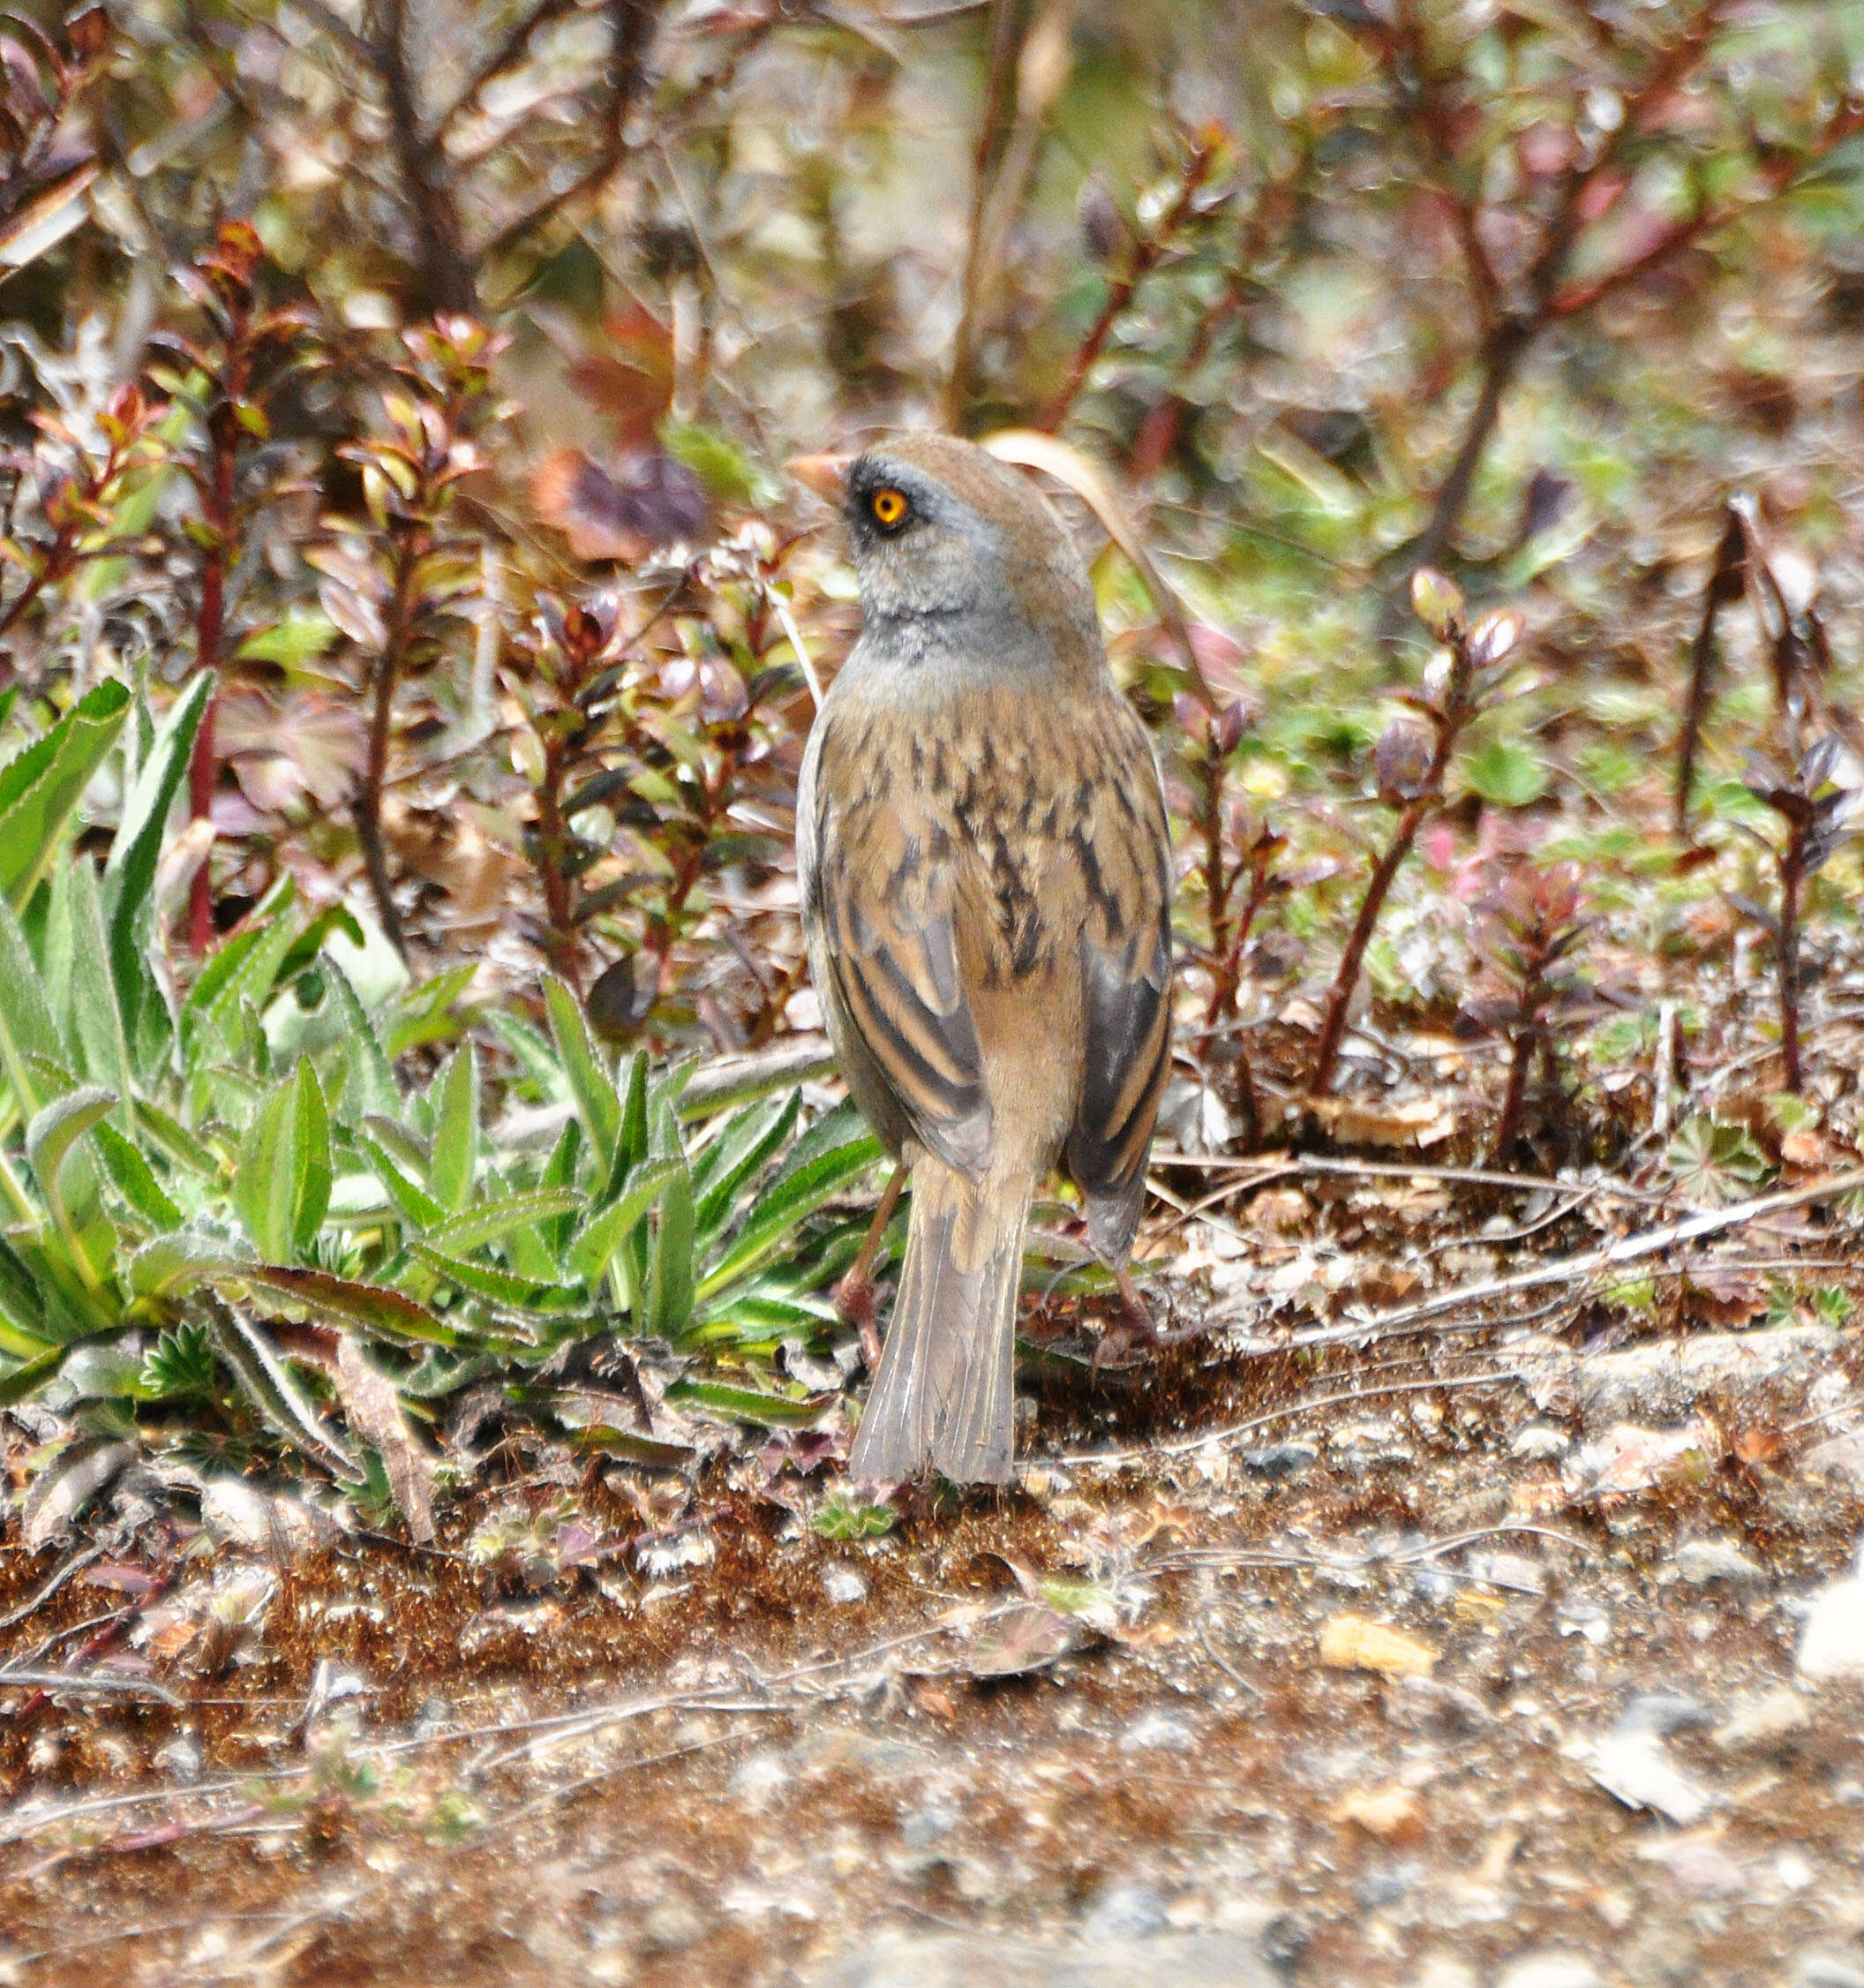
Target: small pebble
x: 844, y: 1584
x: 673, y: 1926
x: 1160, y: 1730
x: 1549, y: 1970
x: 1280, y: 1460
x: 1701, y: 1562
x: 1538, y: 1443
x: 1125, y: 1911
x: 1826, y: 1970
x: 1831, y: 1645
x: 1763, y: 1719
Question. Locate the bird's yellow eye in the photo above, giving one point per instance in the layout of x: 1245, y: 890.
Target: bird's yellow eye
x: 887, y: 509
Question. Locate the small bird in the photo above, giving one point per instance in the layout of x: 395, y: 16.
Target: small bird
x: 984, y: 874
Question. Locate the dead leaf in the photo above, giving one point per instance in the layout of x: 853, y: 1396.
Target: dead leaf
x: 1415, y: 1121
x: 375, y: 1413
x: 1353, y: 1643
x: 1027, y: 1639
x: 68, y: 1486
x: 1628, y: 1458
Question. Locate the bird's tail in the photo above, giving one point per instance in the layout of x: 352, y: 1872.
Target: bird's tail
x: 945, y: 1394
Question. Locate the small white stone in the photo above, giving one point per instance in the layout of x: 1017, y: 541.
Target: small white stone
x: 1538, y: 1443
x: 843, y: 1584
x: 1549, y: 1970
x: 1831, y: 1643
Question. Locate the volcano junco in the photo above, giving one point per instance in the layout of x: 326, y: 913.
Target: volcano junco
x: 986, y: 883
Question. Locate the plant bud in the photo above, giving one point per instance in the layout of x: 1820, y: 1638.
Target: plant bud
x: 1437, y: 601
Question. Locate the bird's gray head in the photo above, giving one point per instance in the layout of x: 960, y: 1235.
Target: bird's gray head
x: 958, y: 553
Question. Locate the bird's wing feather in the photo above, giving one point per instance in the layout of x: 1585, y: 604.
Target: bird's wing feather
x: 1123, y: 849
x: 884, y: 883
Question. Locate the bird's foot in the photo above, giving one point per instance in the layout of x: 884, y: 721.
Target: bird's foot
x: 855, y: 1302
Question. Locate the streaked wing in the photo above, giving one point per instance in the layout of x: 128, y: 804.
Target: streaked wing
x: 886, y: 894
x: 1123, y: 846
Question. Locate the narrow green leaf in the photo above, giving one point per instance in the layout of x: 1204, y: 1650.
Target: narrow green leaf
x: 499, y: 1287
x: 264, y: 1186
x: 795, y: 1197
x: 392, y: 1313
x: 178, y: 1143
x: 42, y: 785
x: 371, y: 1085
x: 455, y: 1132
x: 97, y: 1019
x: 25, y: 1382
x: 26, y: 1028
x: 415, y: 1202
x: 588, y: 1082
x: 49, y: 1137
x: 134, y: 1179
x: 606, y: 1231
x: 310, y: 1164
x: 751, y: 1404
x: 736, y: 1155
x: 492, y: 1219
x: 670, y: 1266
x: 262, y: 1374
x: 129, y: 876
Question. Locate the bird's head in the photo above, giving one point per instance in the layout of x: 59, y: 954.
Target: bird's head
x: 958, y: 551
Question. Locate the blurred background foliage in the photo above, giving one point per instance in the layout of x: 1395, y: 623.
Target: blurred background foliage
x: 425, y: 369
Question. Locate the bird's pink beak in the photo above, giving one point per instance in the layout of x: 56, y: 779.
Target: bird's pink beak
x: 826, y: 475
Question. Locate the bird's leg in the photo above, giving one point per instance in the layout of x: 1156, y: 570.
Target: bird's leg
x: 854, y: 1294
x: 1133, y: 1325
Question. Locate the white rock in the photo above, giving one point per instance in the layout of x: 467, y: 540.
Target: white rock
x: 844, y: 1584
x: 1631, y: 1767
x: 1701, y: 1562
x: 1538, y: 1443
x: 1831, y: 1645
x: 1549, y: 1970
x: 1762, y: 1720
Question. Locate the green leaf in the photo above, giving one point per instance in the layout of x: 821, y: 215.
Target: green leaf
x: 415, y: 1202
x: 180, y: 1363
x: 455, y: 1132
x: 50, y: 1137
x: 96, y: 1018
x: 670, y: 1278
x: 588, y: 1082
x: 737, y: 1154
x: 751, y: 1404
x: 607, y: 1230
x: 26, y: 1028
x: 300, y: 637
x: 25, y: 1382
x: 370, y: 1086
x: 134, y: 1179
x: 391, y: 1313
x: 42, y: 785
x: 281, y: 1186
x: 499, y: 1287
x: 129, y: 876
x: 1506, y: 773
x: 262, y: 1374
x: 181, y: 1145
x: 796, y: 1193
x: 492, y: 1219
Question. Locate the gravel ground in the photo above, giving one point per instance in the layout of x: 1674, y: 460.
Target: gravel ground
x: 1544, y: 1670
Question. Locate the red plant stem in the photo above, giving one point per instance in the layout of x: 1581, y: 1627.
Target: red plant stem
x: 1507, y: 1127
x: 551, y: 834
x: 217, y: 514
x: 1449, y: 722
x: 1333, y: 1029
x: 368, y: 808
x: 1217, y: 882
x: 1146, y: 252
x: 1791, y: 870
